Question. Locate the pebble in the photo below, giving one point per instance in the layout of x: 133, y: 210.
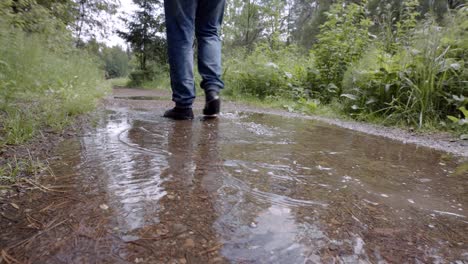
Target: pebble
x: 179, y: 228
x: 104, y: 206
x: 189, y: 243
x: 333, y: 247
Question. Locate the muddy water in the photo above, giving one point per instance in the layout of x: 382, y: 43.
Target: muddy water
x: 246, y: 188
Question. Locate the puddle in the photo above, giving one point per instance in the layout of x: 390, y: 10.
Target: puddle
x: 141, y: 98
x: 247, y: 188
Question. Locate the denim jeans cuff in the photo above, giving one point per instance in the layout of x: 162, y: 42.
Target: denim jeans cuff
x: 183, y: 106
x: 212, y: 87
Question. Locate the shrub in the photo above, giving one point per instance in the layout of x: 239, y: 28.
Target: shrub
x: 342, y: 40
x: 266, y: 72
x: 423, y: 82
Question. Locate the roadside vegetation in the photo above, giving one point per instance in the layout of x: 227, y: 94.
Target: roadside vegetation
x: 51, y: 71
x: 396, y: 64
x: 399, y: 63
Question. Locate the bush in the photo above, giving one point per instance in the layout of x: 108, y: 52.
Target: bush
x: 266, y: 72
x: 115, y: 62
x: 342, y: 40
x: 156, y: 76
x: 420, y: 83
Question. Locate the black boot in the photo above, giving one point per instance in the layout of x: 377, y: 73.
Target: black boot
x: 212, y: 104
x: 177, y: 113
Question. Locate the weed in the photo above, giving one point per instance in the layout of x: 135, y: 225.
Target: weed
x: 419, y: 84
x: 10, y: 171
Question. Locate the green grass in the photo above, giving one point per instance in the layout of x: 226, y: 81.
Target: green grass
x: 11, y: 171
x: 420, y: 84
x: 328, y: 110
x: 119, y: 82
x: 43, y: 87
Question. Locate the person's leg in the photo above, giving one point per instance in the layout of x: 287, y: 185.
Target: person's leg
x: 180, y: 24
x: 209, y: 18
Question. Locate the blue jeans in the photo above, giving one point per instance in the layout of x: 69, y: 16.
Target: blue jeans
x: 186, y: 19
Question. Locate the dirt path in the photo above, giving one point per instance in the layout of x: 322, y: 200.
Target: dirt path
x: 256, y: 186
x: 438, y: 141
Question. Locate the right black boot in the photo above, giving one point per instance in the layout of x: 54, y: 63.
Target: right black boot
x: 212, y: 104
x: 177, y: 113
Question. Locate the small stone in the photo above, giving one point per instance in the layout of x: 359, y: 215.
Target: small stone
x: 253, y: 225
x: 189, y: 243
x: 333, y: 247
x: 170, y: 197
x: 104, y: 207
x: 179, y: 228
x: 138, y: 260
x: 182, y: 261
x: 217, y: 260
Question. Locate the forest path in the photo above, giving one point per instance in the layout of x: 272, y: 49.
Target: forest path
x: 249, y: 187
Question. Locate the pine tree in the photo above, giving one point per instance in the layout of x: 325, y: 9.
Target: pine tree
x: 145, y: 33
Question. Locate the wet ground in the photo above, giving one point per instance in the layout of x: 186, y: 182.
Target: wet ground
x: 245, y: 188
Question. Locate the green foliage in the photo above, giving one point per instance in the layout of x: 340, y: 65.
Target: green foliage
x: 396, y: 21
x: 56, y: 18
x: 116, y: 62
x: 144, y: 35
x: 93, y: 18
x: 138, y: 77
x: 10, y: 172
x: 113, y: 60
x: 342, y: 40
x: 460, y: 121
x: 42, y: 86
x: 409, y: 67
x: 419, y: 83
x: 266, y: 73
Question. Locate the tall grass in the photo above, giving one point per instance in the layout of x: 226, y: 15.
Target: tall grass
x: 421, y: 83
x: 412, y: 72
x: 266, y: 73
x: 42, y: 84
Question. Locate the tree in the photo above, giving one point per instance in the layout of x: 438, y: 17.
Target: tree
x: 84, y: 18
x: 146, y: 33
x: 115, y: 61
x: 243, y: 22
x: 342, y: 40
x: 92, y: 18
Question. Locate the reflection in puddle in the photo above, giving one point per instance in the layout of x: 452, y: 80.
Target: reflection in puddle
x: 131, y: 178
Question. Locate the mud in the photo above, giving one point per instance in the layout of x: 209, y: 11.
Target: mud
x: 142, y: 98
x: 246, y: 188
